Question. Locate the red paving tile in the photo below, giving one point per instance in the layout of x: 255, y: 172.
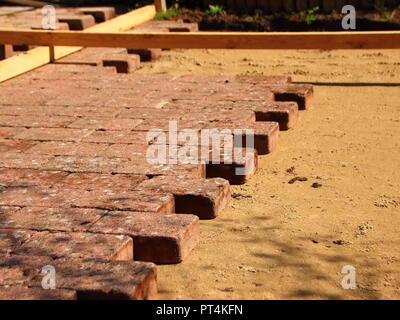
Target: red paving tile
x: 302, y: 94
x: 285, y: 113
x: 18, y: 293
x: 61, y: 148
x: 78, y: 22
x: 43, y: 218
x: 93, y: 181
x: 205, y: 198
x: 27, y: 177
x: 75, y: 245
x: 122, y: 63
x: 92, y: 279
x: 100, y: 14
x: 146, y: 54
x: 157, y: 238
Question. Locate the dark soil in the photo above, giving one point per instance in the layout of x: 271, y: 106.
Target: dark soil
x: 284, y: 22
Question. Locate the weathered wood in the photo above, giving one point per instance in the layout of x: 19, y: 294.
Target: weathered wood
x: 33, y: 3
x: 161, y: 5
x: 37, y: 57
x: 210, y: 40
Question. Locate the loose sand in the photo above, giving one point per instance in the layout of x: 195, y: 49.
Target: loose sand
x: 276, y: 241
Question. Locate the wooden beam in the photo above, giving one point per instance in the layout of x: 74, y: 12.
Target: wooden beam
x: 161, y: 5
x: 33, y: 3
x: 208, y: 40
x: 37, y: 57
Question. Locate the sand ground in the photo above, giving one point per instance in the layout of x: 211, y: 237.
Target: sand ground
x: 276, y: 240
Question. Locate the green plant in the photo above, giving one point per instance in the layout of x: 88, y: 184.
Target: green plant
x: 388, y: 16
x: 249, y: 19
x: 216, y: 10
x: 169, y: 14
x: 309, y: 15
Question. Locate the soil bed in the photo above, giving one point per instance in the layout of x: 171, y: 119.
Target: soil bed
x: 283, y: 22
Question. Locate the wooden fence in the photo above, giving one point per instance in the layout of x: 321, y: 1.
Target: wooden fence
x: 271, y: 6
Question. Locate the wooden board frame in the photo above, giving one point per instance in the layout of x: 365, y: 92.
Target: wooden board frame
x: 207, y: 40
x: 37, y: 57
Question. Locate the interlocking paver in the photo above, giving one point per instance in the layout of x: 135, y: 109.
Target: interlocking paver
x: 122, y: 63
x: 205, y: 198
x: 18, y: 293
x: 146, y: 54
x: 100, y: 14
x: 28, y: 177
x: 159, y: 238
x: 57, y: 245
x: 93, y: 181
x: 78, y: 22
x: 92, y: 279
x: 285, y: 113
x: 43, y: 218
x: 302, y: 94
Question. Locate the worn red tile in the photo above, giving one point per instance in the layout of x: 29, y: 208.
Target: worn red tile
x: 105, y: 124
x: 40, y: 196
x: 15, y: 145
x: 36, y: 121
x: 61, y: 148
x: 146, y: 54
x: 157, y: 238
x: 29, y: 177
x: 92, y: 279
x: 205, y: 198
x: 285, y: 113
x: 96, y: 181
x: 123, y: 63
x: 10, y: 132
x: 48, y: 134
x: 127, y: 200
x: 76, y: 245
x: 300, y: 93
x: 19, y: 160
x: 54, y: 219
x: 118, y: 137
x: 84, y: 164
x: 266, y: 134
x: 100, y: 14
x: 24, y: 293
x: 78, y: 22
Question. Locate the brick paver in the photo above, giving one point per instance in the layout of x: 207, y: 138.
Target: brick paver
x: 88, y: 278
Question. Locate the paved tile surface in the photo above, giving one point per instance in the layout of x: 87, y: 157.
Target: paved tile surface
x: 81, y: 178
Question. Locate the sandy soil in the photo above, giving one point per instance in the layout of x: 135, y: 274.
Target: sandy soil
x: 290, y: 241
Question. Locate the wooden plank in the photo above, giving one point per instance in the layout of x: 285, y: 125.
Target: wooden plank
x: 37, y: 57
x: 161, y: 5
x: 208, y: 40
x: 33, y: 3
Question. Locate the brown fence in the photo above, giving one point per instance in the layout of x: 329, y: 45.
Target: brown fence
x: 271, y: 6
